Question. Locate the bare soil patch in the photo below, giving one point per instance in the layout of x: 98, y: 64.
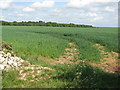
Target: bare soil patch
x: 69, y: 56
x: 33, y: 72
x: 109, y: 62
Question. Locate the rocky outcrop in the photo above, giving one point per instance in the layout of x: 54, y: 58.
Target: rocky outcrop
x: 7, y: 61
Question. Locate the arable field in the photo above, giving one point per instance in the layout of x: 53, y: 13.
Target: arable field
x: 76, y: 56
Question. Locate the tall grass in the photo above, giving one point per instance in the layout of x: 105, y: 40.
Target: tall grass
x: 33, y: 42
x: 27, y: 43
x: 51, y: 41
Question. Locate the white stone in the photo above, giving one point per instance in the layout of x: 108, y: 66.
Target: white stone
x: 16, y: 58
x: 15, y: 64
x: 2, y: 59
x: 1, y: 55
x: 21, y: 71
x: 8, y: 54
x: 2, y: 67
x: 21, y: 60
x: 5, y: 55
x: 2, y: 52
x: 4, y: 49
x: 12, y: 58
x: 7, y: 67
x: 10, y: 62
x: 7, y: 61
x: 4, y: 63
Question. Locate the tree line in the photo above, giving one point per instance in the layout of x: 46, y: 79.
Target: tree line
x: 41, y: 23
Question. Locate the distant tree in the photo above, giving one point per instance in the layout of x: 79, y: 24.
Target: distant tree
x: 41, y: 23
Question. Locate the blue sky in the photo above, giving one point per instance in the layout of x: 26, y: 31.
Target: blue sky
x: 102, y: 13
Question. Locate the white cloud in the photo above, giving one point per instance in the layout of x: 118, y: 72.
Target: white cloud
x: 37, y: 5
x: 21, y: 14
x: 92, y: 14
x: 96, y: 19
x: 9, y: 14
x: 5, y: 3
x: 82, y: 3
x: 103, y: 1
x: 43, y: 4
x: 79, y: 16
x: 77, y: 3
x: 91, y: 17
x: 28, y: 9
x: 94, y: 9
x: 109, y: 9
x: 95, y: 12
x: 17, y: 6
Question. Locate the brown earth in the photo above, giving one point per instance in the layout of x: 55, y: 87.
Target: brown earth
x: 69, y: 56
x: 34, y: 72
x: 109, y: 62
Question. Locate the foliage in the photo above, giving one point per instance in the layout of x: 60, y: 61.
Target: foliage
x: 66, y: 76
x: 41, y: 23
x: 85, y: 76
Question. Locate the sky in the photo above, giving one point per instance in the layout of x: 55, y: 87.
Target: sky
x: 99, y: 13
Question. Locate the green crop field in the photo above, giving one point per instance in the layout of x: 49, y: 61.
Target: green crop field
x: 32, y: 42
x: 51, y: 42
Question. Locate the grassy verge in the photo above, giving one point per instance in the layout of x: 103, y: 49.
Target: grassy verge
x: 66, y: 76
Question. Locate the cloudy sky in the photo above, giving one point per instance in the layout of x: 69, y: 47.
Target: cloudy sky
x: 103, y: 13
